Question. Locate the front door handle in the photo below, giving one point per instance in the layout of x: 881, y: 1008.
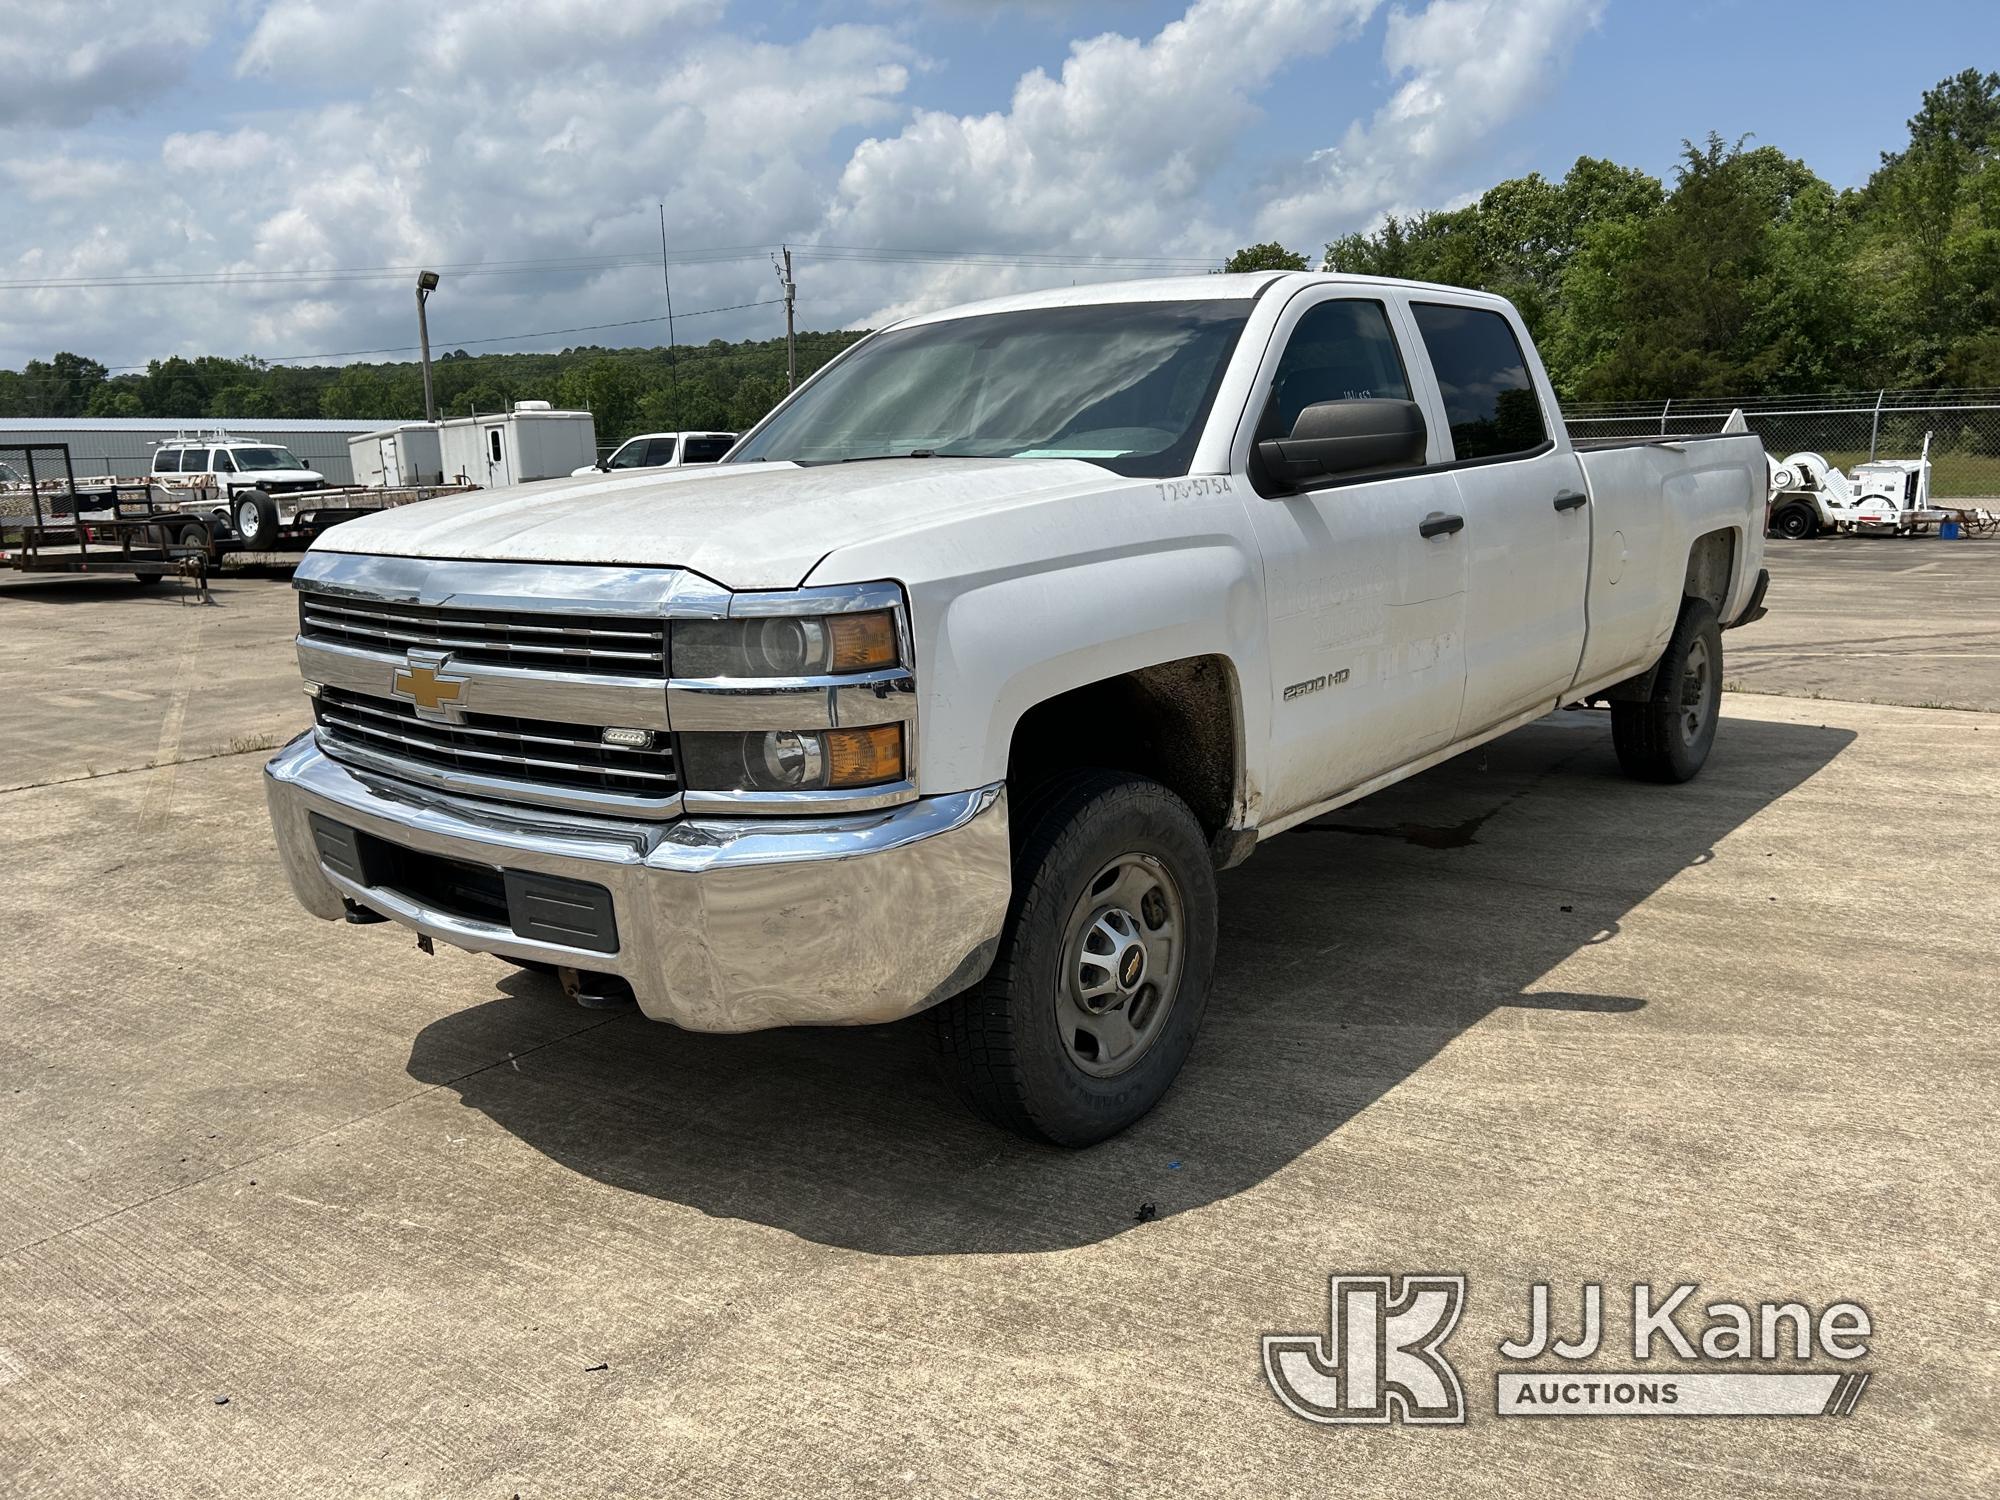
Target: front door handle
x: 1439, y: 524
x: 1571, y: 499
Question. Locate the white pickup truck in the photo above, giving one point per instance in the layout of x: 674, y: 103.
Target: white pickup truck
x: 954, y: 685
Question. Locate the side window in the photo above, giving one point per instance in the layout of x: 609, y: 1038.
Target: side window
x: 659, y: 452
x: 167, y: 461
x: 1341, y: 351
x: 631, y: 456
x: 221, y: 463
x: 1489, y: 397
x: 706, y: 450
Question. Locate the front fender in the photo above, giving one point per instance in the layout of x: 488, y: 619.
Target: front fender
x: 991, y: 649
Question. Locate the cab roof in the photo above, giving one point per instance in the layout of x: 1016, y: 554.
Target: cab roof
x: 1231, y: 287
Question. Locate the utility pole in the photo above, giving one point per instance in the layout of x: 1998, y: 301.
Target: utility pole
x: 426, y: 284
x: 673, y: 370
x: 791, y: 335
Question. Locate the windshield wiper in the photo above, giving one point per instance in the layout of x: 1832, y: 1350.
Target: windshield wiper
x: 869, y: 458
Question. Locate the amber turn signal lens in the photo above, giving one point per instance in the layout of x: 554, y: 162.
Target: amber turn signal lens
x: 864, y: 757
x: 861, y: 643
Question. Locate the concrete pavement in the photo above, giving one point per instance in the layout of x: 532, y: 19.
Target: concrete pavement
x: 1519, y: 1018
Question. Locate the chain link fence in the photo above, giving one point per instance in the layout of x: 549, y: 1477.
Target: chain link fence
x: 1845, y: 428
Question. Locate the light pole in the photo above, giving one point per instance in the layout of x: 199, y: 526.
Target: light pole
x: 426, y: 284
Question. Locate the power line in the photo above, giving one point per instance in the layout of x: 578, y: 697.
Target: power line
x: 574, y: 265
x: 500, y: 338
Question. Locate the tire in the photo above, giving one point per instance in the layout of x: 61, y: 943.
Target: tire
x: 1104, y: 863
x: 256, y: 520
x: 143, y: 579
x: 1795, y: 521
x: 194, y: 535
x: 1668, y: 736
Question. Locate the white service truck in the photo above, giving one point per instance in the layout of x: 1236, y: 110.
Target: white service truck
x: 955, y: 685
x: 662, y: 450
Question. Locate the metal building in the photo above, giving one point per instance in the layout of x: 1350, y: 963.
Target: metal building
x: 124, y: 445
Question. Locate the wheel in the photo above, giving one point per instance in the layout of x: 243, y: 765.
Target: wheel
x: 1796, y: 521
x: 1103, y: 970
x: 256, y: 520
x: 1668, y: 736
x: 194, y: 534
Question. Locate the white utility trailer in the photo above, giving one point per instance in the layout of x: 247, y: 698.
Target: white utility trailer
x: 533, y: 441
x: 1883, y: 497
x: 407, y: 453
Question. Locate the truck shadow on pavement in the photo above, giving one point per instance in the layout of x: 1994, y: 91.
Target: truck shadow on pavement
x: 1353, y: 951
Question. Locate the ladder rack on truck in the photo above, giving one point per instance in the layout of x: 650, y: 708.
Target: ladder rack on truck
x: 50, y: 524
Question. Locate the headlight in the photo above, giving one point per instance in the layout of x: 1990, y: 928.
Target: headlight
x: 785, y: 645
x: 783, y: 760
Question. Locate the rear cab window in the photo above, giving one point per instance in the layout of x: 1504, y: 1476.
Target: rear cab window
x: 705, y: 450
x: 1490, y: 399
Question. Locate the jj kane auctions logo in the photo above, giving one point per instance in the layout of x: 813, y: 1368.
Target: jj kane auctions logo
x: 1382, y: 1357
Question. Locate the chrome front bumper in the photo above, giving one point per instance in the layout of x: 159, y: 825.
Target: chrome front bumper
x: 722, y: 924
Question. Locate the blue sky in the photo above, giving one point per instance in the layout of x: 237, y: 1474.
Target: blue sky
x: 183, y: 137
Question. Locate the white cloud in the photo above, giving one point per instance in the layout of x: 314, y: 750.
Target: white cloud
x: 1463, y: 69
x: 1116, y: 155
x: 64, y: 61
x: 510, y: 130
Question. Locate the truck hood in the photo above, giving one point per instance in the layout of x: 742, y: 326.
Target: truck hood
x: 747, y: 526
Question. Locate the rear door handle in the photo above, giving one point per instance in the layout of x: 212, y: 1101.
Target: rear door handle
x: 1439, y: 524
x: 1571, y: 499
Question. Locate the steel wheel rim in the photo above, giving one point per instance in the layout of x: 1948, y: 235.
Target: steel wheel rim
x: 1695, y: 693
x: 246, y: 517
x: 1121, y: 965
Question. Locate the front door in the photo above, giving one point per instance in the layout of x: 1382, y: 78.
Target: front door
x: 1527, y: 521
x: 1366, y: 613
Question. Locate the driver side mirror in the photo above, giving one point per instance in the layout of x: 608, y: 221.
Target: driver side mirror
x: 1340, y: 439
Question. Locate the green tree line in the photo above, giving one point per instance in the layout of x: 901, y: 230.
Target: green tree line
x: 1748, y: 275
x: 717, y: 386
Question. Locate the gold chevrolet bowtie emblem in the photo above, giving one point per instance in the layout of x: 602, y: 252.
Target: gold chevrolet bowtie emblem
x: 426, y: 689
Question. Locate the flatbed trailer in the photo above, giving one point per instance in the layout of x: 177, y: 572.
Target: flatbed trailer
x: 254, y: 521
x: 51, y: 524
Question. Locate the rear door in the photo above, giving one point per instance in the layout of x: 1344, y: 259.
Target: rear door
x: 1365, y: 612
x: 1527, y: 519
x: 499, y: 465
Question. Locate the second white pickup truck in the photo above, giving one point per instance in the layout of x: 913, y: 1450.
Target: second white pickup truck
x: 954, y: 685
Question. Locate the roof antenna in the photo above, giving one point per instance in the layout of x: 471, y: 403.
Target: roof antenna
x: 673, y: 374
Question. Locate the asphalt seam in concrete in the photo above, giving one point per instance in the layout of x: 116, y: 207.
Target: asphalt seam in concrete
x: 304, y: 1140
x: 187, y: 760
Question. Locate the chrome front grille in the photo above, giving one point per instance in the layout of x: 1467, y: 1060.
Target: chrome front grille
x: 496, y: 754
x: 539, y: 641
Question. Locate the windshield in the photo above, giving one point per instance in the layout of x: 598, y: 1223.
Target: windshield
x: 263, y: 458
x: 1126, y: 385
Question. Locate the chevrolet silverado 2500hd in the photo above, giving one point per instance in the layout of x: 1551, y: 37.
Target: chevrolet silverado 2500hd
x: 954, y: 685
